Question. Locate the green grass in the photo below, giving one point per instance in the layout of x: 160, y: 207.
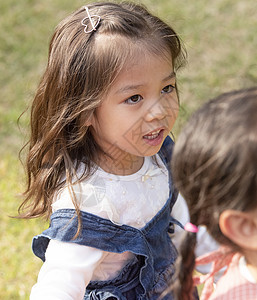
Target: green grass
x: 220, y: 37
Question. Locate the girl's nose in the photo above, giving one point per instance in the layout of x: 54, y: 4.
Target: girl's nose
x: 156, y: 111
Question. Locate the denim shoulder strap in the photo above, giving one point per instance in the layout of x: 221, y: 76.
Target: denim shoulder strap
x: 166, y: 151
x: 165, y: 154
x: 95, y: 232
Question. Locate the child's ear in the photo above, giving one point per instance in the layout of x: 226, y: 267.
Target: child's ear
x: 89, y: 121
x: 240, y: 228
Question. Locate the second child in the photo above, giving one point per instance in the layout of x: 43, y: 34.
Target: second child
x: 215, y: 168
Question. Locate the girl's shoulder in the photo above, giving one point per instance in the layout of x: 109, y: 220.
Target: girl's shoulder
x: 235, y: 283
x: 87, y: 192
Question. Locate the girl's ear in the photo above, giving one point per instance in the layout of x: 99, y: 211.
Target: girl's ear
x: 240, y: 227
x: 89, y: 121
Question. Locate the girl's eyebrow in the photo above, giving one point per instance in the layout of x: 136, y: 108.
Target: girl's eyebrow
x: 134, y: 87
x: 129, y: 88
x: 171, y: 76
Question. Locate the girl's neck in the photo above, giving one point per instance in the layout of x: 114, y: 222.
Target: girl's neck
x: 253, y: 271
x: 126, y: 166
x: 251, y: 261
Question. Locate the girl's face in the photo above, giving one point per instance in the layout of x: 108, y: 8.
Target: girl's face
x: 137, y: 113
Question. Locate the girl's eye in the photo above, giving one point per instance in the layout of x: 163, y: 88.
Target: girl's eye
x: 134, y: 99
x: 168, y: 89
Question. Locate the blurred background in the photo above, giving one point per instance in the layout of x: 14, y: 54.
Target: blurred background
x: 221, y: 40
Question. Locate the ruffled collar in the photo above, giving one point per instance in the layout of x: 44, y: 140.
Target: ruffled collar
x: 219, y: 258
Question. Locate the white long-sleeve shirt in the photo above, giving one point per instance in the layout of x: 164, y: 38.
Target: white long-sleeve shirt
x: 69, y: 267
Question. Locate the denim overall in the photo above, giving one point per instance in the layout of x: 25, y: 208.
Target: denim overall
x: 144, y: 278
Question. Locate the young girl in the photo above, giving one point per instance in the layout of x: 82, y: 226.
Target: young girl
x: 99, y: 153
x: 214, y: 167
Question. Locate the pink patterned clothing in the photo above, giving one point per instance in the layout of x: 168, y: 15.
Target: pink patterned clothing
x: 237, y: 283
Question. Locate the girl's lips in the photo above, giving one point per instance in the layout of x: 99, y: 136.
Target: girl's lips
x: 154, y: 138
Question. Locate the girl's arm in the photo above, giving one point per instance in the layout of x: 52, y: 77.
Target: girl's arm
x: 66, y: 272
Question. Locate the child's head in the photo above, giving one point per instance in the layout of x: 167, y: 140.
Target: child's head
x: 82, y: 66
x: 214, y: 167
x: 81, y: 69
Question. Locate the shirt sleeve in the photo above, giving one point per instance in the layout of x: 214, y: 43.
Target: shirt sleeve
x: 66, y: 272
x: 179, y: 212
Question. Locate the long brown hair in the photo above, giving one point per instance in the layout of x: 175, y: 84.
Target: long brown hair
x: 214, y: 167
x: 78, y: 74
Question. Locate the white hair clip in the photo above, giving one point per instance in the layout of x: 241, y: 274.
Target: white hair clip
x: 94, y: 21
